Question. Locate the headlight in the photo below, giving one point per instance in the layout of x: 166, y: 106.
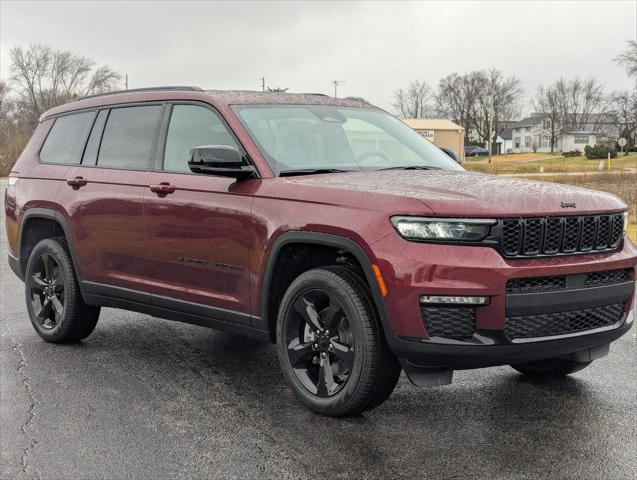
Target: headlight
x: 442, y: 229
x: 625, y: 223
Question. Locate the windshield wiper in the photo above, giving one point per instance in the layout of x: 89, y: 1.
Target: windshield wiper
x: 312, y: 171
x: 411, y: 167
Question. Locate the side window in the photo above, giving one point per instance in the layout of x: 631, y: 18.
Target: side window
x: 128, y: 137
x: 192, y: 126
x: 93, y: 144
x: 66, y: 140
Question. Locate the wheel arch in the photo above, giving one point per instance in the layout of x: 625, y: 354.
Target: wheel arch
x: 317, y: 239
x: 36, y: 221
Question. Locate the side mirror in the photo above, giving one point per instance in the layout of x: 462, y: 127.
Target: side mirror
x: 452, y: 154
x: 222, y: 160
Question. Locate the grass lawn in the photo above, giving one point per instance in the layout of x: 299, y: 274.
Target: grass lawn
x: 536, y: 162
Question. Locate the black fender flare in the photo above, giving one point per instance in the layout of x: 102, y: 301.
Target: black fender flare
x: 329, y: 240
x: 49, y: 214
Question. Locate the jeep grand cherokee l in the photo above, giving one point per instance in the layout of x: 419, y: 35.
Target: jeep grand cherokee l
x: 326, y: 226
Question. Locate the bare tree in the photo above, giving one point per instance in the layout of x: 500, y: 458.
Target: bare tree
x: 547, y: 104
x: 413, y: 102
x: 623, y: 105
x: 457, y: 99
x: 574, y: 104
x: 43, y: 78
x: 479, y: 100
x: 628, y: 59
x: 356, y: 99
x: 276, y: 89
x: 498, y: 100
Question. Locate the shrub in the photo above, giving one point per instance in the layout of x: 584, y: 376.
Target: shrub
x: 599, y: 152
x: 572, y: 153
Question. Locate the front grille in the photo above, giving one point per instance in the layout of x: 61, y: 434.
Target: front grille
x: 560, y: 282
x: 548, y: 324
x: 455, y: 323
x: 528, y: 237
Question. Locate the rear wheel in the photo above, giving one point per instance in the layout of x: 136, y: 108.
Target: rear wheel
x: 331, y: 348
x: 550, y: 367
x: 54, y: 302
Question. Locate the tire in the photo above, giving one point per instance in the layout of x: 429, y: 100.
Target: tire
x: 347, y: 370
x: 550, y: 367
x: 54, y: 302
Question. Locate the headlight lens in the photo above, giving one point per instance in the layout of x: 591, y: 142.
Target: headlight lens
x: 442, y: 229
x: 625, y: 223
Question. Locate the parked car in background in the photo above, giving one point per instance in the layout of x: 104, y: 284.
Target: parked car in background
x: 474, y: 151
x: 326, y: 226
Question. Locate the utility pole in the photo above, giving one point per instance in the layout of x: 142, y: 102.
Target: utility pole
x: 126, y: 81
x: 263, y: 84
x: 491, y: 113
x: 337, y: 83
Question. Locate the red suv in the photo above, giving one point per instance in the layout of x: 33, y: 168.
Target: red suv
x: 326, y: 226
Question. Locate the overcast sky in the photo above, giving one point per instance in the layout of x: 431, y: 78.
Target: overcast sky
x: 374, y: 47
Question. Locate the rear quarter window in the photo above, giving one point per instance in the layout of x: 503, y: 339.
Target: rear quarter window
x: 65, y: 142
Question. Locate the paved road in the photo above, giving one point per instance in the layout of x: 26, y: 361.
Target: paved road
x: 144, y: 398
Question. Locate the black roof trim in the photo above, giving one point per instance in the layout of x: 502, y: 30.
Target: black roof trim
x: 169, y: 88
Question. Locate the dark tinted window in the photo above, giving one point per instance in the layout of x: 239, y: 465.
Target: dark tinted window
x: 192, y: 126
x: 67, y: 137
x: 128, y: 137
x: 93, y: 144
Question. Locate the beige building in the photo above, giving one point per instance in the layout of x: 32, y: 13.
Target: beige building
x: 441, y: 133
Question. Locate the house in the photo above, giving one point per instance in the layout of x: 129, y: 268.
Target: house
x: 504, y: 141
x: 440, y: 132
x: 533, y: 134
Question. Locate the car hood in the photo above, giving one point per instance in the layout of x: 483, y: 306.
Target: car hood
x: 461, y: 193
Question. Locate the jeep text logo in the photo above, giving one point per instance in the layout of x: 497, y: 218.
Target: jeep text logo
x: 567, y: 205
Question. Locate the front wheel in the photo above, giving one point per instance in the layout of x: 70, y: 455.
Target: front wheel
x: 550, y: 367
x: 331, y: 347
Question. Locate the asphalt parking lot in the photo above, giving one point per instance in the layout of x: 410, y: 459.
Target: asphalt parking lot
x: 148, y: 398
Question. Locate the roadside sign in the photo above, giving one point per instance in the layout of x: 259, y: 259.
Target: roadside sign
x: 428, y: 134
x: 621, y: 142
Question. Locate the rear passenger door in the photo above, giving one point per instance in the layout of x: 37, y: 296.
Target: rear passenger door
x: 104, y: 196
x: 198, y: 235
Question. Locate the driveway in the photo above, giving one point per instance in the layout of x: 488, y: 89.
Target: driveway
x: 144, y: 398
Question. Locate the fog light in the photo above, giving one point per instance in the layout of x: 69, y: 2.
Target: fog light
x: 448, y: 300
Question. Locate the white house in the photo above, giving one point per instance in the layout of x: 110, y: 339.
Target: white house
x: 504, y: 141
x: 577, y: 140
x: 533, y: 134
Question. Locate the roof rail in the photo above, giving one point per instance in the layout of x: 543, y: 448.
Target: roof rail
x: 144, y: 89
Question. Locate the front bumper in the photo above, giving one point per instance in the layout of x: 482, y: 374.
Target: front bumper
x: 411, y: 270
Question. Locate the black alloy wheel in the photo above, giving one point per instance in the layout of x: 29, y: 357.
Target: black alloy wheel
x: 330, y: 343
x: 320, y: 345
x: 47, y: 291
x: 54, y: 301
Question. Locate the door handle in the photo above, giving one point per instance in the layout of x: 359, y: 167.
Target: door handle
x: 162, y: 189
x: 76, y: 182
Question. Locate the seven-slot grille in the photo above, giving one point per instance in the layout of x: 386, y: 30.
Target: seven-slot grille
x: 528, y: 237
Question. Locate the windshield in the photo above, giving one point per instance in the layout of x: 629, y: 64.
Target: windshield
x: 306, y: 138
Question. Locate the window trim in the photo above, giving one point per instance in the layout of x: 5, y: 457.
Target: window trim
x: 163, y: 136
x: 55, y: 119
x: 101, y: 134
